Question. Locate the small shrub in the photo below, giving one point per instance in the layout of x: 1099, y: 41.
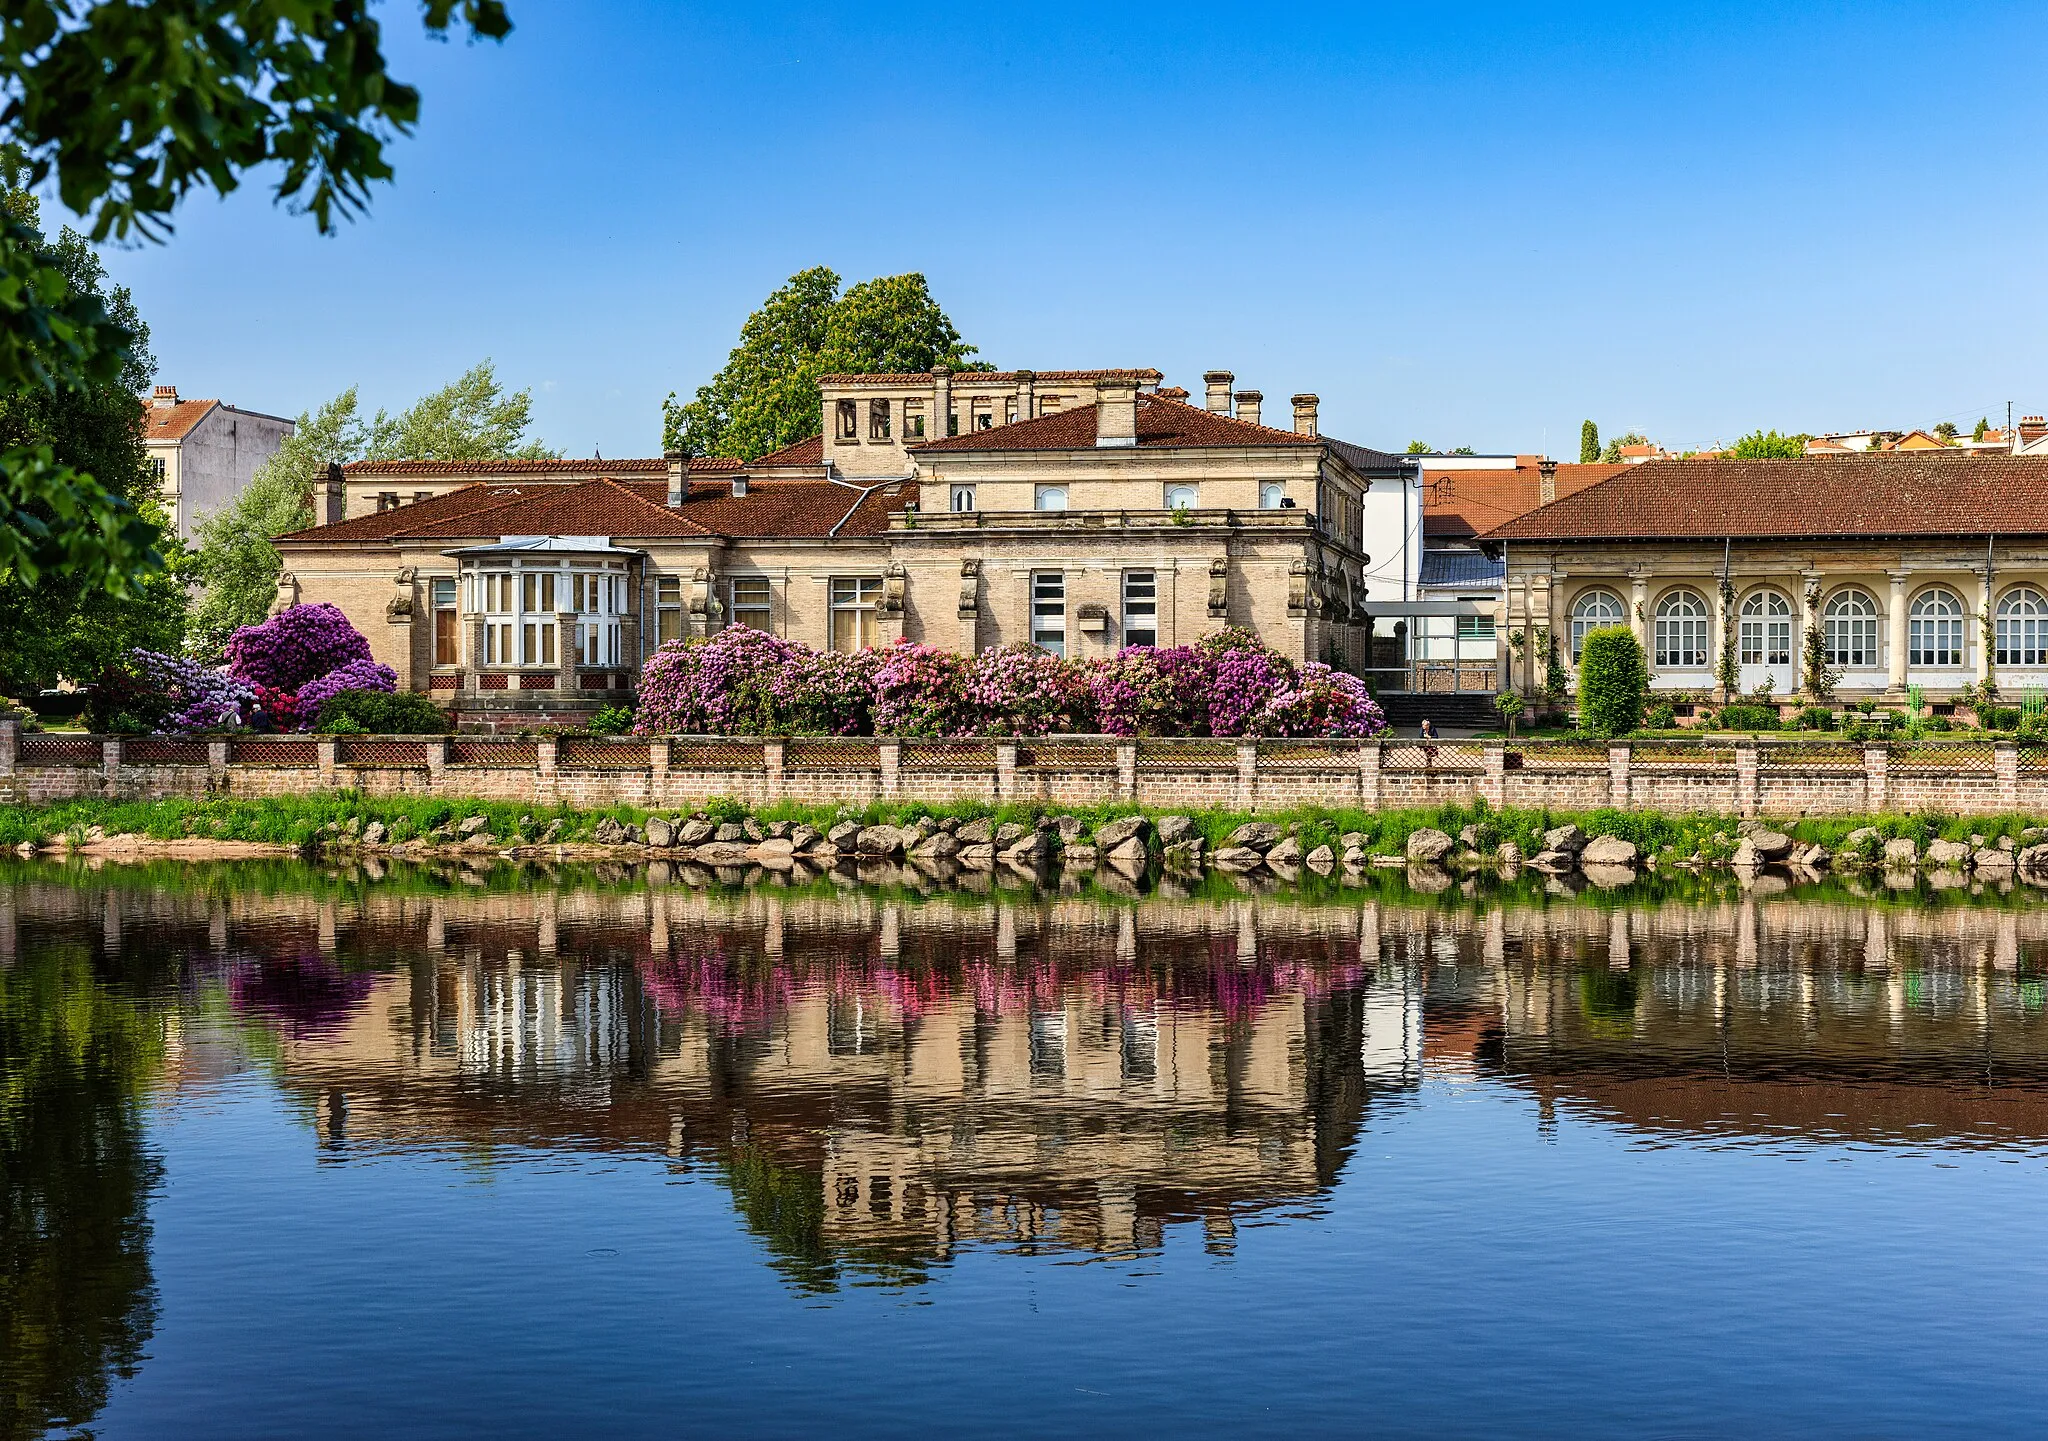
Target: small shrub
x: 1614, y: 681
x: 611, y: 720
x: 1747, y: 718
x: 1510, y: 705
x: 373, y: 712
x: 2001, y: 718
x: 1661, y: 717
x: 1816, y: 718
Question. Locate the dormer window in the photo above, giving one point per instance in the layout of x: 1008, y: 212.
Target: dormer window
x: 848, y: 424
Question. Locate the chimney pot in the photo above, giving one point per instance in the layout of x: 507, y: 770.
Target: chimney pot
x: 165, y: 396
x: 678, y: 477
x: 1305, y: 414
x: 1116, y: 412
x: 1217, y: 383
x: 1248, y: 402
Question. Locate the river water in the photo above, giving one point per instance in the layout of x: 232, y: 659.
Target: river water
x: 291, y: 1151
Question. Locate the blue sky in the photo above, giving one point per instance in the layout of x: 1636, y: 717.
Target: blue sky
x: 1474, y: 225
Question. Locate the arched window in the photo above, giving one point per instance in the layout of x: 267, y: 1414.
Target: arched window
x: 1682, y: 631
x: 2023, y: 627
x: 1180, y: 497
x: 1590, y: 611
x: 1849, y: 630
x: 1934, y: 628
x: 1766, y: 632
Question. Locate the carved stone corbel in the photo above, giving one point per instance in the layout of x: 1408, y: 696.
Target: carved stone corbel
x: 894, y: 580
x: 970, y: 589
x: 1219, y: 588
x: 287, y: 592
x: 399, y: 608
x: 1297, y: 588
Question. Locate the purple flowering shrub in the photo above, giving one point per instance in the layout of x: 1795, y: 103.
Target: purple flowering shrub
x: 356, y: 675
x: 152, y: 692
x: 921, y: 690
x: 295, y: 646
x: 746, y: 682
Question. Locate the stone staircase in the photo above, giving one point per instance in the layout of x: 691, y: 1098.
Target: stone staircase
x: 1405, y: 710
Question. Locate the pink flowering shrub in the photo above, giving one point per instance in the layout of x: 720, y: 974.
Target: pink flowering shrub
x: 1321, y: 702
x: 921, y: 690
x: 356, y: 675
x: 1022, y: 690
x: 745, y: 682
x: 295, y: 646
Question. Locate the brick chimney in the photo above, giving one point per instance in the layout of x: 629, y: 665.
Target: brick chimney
x: 1218, y: 383
x: 2032, y: 428
x: 1027, y: 392
x: 1116, y: 411
x: 164, y: 397
x: 336, y: 498
x: 1546, y: 470
x: 1248, y: 402
x: 942, y: 404
x: 1305, y: 414
x: 678, y: 478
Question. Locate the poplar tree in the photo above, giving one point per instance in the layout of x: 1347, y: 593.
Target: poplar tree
x: 1589, y: 443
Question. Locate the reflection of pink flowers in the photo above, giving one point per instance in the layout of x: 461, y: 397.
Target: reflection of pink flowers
x: 305, y: 996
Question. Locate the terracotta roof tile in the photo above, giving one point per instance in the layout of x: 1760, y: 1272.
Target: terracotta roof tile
x: 425, y: 469
x: 1458, y: 504
x: 1899, y: 494
x: 1162, y: 424
x: 388, y: 523
x: 803, y: 452
x: 175, y: 422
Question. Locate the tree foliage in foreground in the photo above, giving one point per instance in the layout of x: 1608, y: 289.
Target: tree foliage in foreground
x: 126, y: 109
x: 766, y: 396
x: 470, y: 418
x: 55, y: 621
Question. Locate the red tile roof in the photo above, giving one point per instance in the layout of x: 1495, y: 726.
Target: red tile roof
x: 425, y: 469
x: 1162, y: 424
x: 1900, y: 494
x: 984, y: 377
x: 803, y: 452
x: 1459, y: 504
x: 175, y: 422
x: 637, y: 509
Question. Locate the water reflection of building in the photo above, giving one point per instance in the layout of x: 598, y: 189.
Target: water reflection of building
x: 884, y: 1080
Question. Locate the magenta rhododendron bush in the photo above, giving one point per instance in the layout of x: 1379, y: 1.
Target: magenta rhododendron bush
x: 745, y: 682
x: 295, y: 646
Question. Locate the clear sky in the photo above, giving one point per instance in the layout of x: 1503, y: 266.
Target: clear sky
x: 1468, y: 224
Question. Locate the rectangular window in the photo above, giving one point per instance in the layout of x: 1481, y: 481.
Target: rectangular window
x: 878, y: 420
x: 668, y: 608
x: 386, y: 500
x: 1049, y: 611
x: 1141, y: 607
x: 1048, y: 404
x: 447, y: 623
x: 537, y: 593
x: 963, y: 497
x: 854, y: 599
x: 420, y: 495
x: 847, y: 426
x: 1010, y: 411
x: 952, y: 421
x: 984, y: 414
x: 156, y: 468
x: 913, y: 420
x: 750, y: 602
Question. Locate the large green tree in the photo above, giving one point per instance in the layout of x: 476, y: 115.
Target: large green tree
x: 470, y: 418
x: 1589, y: 442
x: 55, y: 621
x: 766, y: 396
x: 1769, y: 445
x: 127, y: 108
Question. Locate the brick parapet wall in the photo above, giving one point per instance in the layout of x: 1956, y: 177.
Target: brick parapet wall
x: 1715, y: 778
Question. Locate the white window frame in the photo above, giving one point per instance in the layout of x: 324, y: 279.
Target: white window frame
x: 1850, y: 633
x: 1682, y: 631
x: 1182, y: 497
x: 1272, y: 494
x: 1935, y: 634
x: 1764, y: 629
x: 857, y: 599
x: 668, y: 609
x: 1140, y: 607
x: 1050, y: 498
x: 1591, y: 610
x: 963, y: 498
x: 2022, y: 627
x: 1049, y: 611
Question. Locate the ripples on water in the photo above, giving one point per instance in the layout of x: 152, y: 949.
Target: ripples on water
x: 287, y: 1152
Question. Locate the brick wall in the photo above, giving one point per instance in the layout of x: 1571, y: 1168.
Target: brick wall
x: 1767, y: 778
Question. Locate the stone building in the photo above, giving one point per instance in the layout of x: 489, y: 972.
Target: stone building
x: 1081, y: 511
x: 1924, y: 569
x: 204, y: 452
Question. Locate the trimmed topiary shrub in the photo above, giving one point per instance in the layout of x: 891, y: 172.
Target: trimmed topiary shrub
x: 1614, y: 681
x: 376, y: 712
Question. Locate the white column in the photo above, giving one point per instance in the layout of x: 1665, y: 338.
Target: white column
x: 1895, y: 624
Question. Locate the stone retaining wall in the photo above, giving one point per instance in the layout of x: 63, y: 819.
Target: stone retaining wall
x: 1737, y: 778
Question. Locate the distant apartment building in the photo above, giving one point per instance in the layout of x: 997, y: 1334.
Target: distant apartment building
x: 205, y: 452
